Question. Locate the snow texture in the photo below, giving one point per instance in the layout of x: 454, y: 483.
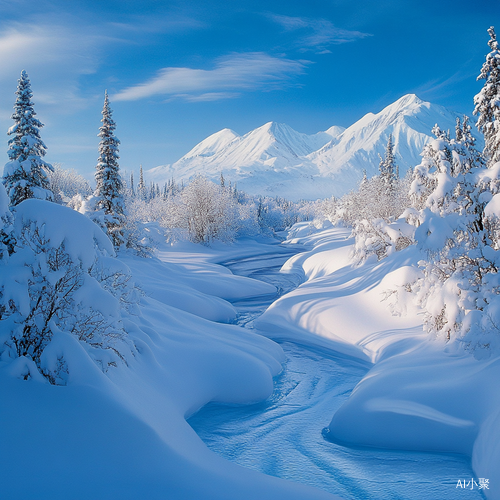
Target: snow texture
x: 122, y: 432
x: 421, y: 394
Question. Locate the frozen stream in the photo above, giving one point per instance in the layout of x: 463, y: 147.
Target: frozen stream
x: 283, y: 436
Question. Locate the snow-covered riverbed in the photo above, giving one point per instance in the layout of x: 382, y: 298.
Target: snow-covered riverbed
x: 284, y: 436
x: 122, y: 433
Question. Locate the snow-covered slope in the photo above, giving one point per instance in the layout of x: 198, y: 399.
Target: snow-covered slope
x: 276, y: 160
x: 121, y: 433
x: 409, y: 120
x: 407, y: 401
x: 259, y: 162
x: 213, y: 144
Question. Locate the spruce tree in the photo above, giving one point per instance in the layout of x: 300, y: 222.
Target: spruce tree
x: 108, y: 181
x: 141, y: 187
x: 387, y: 165
x: 132, y: 192
x: 26, y: 174
x: 487, y: 102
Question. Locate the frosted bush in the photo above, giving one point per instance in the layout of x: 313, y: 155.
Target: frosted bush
x: 459, y: 288
x: 208, y: 211
x: 61, y: 279
x: 68, y: 185
x: 380, y: 238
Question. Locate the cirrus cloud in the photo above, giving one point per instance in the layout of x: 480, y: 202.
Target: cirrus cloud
x: 316, y: 34
x: 236, y: 72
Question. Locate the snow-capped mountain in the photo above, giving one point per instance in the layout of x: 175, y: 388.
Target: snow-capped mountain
x: 409, y: 120
x: 255, y: 161
x: 276, y: 160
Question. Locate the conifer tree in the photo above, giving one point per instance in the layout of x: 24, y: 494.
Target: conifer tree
x: 141, y: 187
x: 488, y: 102
x: 387, y: 165
x: 364, y: 180
x: 26, y: 174
x: 108, y: 181
x: 132, y: 192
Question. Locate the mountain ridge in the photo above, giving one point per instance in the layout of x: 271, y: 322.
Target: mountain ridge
x: 276, y: 160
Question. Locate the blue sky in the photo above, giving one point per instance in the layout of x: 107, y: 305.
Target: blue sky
x: 178, y: 71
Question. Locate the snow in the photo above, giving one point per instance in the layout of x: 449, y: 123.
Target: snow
x: 339, y: 303
x: 122, y: 432
x: 421, y: 393
x: 493, y: 206
x: 81, y: 245
x: 276, y: 160
x: 213, y: 144
x: 194, y: 284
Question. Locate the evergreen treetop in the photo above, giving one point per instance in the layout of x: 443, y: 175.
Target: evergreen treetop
x: 387, y: 165
x: 108, y: 180
x: 487, y: 102
x: 26, y: 174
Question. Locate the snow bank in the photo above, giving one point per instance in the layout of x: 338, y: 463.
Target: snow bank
x: 122, y: 433
x: 199, y: 268
x: 421, y: 394
x: 339, y: 305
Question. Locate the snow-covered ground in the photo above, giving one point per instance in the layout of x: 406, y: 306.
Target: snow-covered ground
x: 285, y: 435
x: 123, y: 433
x: 420, y: 394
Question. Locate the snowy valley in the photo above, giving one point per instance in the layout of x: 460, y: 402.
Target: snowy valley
x: 272, y: 324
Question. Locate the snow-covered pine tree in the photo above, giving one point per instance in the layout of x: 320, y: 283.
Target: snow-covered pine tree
x: 141, y: 187
x: 132, y: 192
x: 387, y: 165
x: 364, y: 180
x: 487, y: 102
x: 458, y: 130
x: 26, y: 174
x: 109, y: 197
x: 385, y: 185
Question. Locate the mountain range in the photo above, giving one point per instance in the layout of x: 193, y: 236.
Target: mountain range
x: 275, y: 160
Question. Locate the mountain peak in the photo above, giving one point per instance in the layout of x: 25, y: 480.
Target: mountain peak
x: 213, y: 143
x: 406, y: 101
x: 274, y: 128
x: 410, y: 98
x: 274, y: 159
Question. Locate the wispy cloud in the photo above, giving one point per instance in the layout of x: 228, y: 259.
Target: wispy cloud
x: 444, y: 87
x: 236, y: 72
x: 209, y: 96
x: 46, y: 46
x: 316, y: 34
x: 54, y: 56
x: 148, y: 24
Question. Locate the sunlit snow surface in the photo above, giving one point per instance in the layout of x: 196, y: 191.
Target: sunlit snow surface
x: 283, y: 436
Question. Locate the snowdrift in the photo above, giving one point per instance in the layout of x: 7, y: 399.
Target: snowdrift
x: 421, y: 394
x: 121, y: 432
